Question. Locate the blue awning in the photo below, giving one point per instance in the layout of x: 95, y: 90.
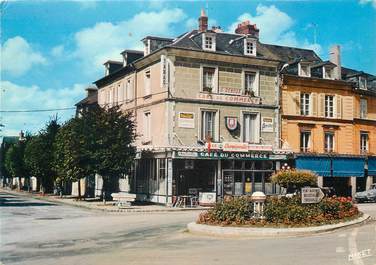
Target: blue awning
x: 372, y: 166
x: 318, y: 165
x: 348, y: 166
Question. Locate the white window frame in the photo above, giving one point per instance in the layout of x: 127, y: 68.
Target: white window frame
x: 216, y: 124
x: 147, y: 126
x: 254, y: 49
x: 128, y: 90
x: 327, y: 73
x: 307, y: 148
x: 360, y: 82
x: 303, y: 109
x: 364, y: 142
x: 327, y: 108
x: 215, y: 78
x: 257, y: 136
x: 213, y: 44
x: 363, y: 108
x: 328, y: 135
x: 147, y: 82
x: 300, y: 73
x: 256, y: 83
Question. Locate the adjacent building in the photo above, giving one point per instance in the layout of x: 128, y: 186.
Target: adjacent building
x: 329, y: 121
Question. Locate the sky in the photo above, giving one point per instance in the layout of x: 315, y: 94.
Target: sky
x: 52, y: 50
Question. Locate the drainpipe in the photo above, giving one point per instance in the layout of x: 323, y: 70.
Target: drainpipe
x: 278, y: 102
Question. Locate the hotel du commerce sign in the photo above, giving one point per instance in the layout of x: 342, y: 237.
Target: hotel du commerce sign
x: 228, y: 98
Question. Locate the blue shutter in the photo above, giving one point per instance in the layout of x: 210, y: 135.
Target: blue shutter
x: 372, y: 166
x: 318, y: 165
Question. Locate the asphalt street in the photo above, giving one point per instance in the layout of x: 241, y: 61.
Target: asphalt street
x: 38, y: 232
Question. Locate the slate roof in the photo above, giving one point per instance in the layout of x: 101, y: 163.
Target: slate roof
x: 89, y: 100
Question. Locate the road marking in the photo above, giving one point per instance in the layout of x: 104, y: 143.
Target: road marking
x: 353, y: 249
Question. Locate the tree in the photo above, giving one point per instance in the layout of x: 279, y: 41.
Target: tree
x: 14, y: 162
x: 74, y: 147
x: 114, y: 152
x: 293, y: 180
x: 39, y: 156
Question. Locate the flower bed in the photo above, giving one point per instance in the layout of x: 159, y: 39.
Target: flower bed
x: 280, y: 212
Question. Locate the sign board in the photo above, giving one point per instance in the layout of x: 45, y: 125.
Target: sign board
x: 230, y: 90
x: 239, y: 147
x: 267, y: 124
x: 229, y: 98
x: 231, y: 123
x: 235, y: 147
x: 186, y: 120
x: 207, y: 198
x: 312, y: 195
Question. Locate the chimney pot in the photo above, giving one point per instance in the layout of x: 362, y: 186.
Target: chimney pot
x: 335, y: 58
x: 246, y: 28
x: 203, y: 21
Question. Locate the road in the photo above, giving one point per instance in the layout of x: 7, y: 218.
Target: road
x: 37, y: 232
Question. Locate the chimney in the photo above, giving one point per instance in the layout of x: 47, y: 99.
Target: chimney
x: 247, y: 28
x: 91, y: 90
x: 203, y: 21
x: 335, y: 57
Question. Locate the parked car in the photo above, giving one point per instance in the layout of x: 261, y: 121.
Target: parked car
x: 368, y: 195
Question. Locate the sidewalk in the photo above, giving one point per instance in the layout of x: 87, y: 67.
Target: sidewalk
x: 95, y: 204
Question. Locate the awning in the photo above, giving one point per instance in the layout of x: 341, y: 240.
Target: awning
x: 372, y: 166
x: 318, y: 165
x: 348, y: 166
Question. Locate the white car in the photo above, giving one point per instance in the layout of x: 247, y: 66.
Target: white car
x: 368, y: 195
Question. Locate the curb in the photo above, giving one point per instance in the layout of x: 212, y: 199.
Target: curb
x: 247, y: 232
x: 125, y: 210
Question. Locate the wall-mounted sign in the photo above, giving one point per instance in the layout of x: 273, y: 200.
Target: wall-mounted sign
x: 235, y: 147
x: 267, y: 124
x: 239, y: 147
x: 186, y: 120
x: 207, y: 198
x: 228, y: 98
x: 230, y: 90
x: 260, y: 147
x: 231, y: 123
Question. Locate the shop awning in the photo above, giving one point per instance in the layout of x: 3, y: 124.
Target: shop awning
x: 318, y: 165
x: 372, y: 166
x: 348, y: 166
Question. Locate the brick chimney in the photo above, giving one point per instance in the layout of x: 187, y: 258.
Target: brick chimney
x: 247, y: 28
x: 203, y: 21
x: 335, y: 57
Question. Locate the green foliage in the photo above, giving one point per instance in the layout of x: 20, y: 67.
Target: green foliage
x: 39, y: 155
x: 295, y: 179
x: 236, y: 210
x: 14, y: 161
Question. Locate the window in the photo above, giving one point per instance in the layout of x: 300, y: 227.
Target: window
x: 147, y: 83
x: 147, y: 127
x: 128, y: 90
x: 363, y: 142
x: 208, y: 42
x: 304, y: 69
x: 329, y: 142
x: 208, y: 125
x: 305, y: 104
x: 329, y: 106
x: 250, y: 83
x: 305, y: 141
x: 162, y: 168
x: 251, y: 128
x: 249, y: 47
x: 327, y: 72
x: 208, y: 74
x: 363, y: 108
x: 362, y: 82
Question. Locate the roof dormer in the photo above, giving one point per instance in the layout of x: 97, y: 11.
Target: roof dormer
x: 208, y: 41
x: 250, y: 46
x: 304, y: 69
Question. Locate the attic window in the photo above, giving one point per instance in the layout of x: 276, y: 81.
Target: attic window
x: 327, y: 72
x: 362, y: 82
x: 249, y: 47
x: 208, y: 42
x: 304, y: 70
x: 147, y: 47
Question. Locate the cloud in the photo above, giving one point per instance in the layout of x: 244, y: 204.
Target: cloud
x: 57, y: 51
x: 105, y: 40
x: 364, y: 2
x: 275, y: 27
x: 18, y: 56
x: 19, y: 97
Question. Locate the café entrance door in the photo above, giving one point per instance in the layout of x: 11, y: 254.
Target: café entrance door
x: 237, y: 182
